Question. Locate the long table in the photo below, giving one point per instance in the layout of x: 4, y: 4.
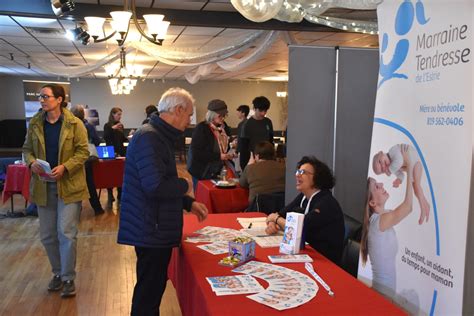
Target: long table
x: 222, y: 200
x: 190, y: 266
x: 108, y: 173
x: 17, y: 181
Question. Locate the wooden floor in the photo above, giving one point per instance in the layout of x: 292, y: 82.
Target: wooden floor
x: 105, y: 270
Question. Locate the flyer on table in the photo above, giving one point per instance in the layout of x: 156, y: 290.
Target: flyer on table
x: 423, y: 132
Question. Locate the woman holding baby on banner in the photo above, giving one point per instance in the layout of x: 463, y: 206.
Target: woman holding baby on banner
x: 379, y: 239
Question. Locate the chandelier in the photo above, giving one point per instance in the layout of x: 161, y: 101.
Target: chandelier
x: 120, y: 23
x: 124, y: 78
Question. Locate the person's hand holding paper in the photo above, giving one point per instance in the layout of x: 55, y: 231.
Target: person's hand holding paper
x: 36, y: 167
x: 43, y: 169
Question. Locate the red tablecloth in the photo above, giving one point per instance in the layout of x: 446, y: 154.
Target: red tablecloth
x: 218, y: 200
x: 190, y: 266
x: 17, y: 181
x: 108, y: 173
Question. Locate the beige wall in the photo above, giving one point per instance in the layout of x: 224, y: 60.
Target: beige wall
x: 96, y: 93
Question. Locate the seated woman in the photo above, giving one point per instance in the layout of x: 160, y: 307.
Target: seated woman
x: 324, y: 220
x: 264, y: 175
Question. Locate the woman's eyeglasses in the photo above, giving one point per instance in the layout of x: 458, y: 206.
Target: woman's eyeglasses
x: 300, y: 172
x: 45, y: 96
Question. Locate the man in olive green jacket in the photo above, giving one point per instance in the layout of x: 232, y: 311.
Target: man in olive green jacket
x: 55, y: 135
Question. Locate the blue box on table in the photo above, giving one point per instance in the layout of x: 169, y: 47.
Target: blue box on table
x: 242, y: 248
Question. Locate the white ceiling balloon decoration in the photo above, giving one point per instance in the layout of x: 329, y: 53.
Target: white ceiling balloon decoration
x: 295, y: 11
x: 183, y: 56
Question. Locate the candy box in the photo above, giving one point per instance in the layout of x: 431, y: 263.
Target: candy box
x: 242, y: 248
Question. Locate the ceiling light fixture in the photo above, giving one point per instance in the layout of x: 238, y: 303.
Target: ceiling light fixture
x: 62, y: 6
x: 120, y: 23
x: 78, y: 34
x: 123, y: 79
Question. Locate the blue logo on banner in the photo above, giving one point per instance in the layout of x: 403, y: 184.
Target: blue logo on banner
x: 403, y: 24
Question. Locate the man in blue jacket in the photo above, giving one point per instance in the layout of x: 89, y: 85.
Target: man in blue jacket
x: 153, y: 198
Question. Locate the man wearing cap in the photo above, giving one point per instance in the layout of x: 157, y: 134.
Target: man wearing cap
x: 209, y: 145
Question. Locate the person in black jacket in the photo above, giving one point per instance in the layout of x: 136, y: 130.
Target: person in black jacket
x: 151, y: 217
x: 113, y: 131
x: 256, y: 129
x: 149, y: 110
x: 114, y: 136
x: 324, y: 221
x: 242, y: 113
x: 209, y: 145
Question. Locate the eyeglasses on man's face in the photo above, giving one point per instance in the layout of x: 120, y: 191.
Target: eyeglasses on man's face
x: 300, y: 172
x: 45, y: 97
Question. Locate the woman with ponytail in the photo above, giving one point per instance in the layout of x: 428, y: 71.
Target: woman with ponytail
x: 56, y: 136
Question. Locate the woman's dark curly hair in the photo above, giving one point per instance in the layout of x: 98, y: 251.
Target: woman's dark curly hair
x: 323, y: 178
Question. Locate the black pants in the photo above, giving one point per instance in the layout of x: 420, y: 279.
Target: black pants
x: 94, y: 198
x: 152, y: 274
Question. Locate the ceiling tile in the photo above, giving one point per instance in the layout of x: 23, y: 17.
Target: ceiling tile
x: 202, y: 31
x: 18, y: 40
x: 236, y: 33
x: 58, y: 41
x: 32, y: 48
x: 12, y: 31
x: 37, y: 22
x: 191, y: 41
x: 175, y: 29
x: 227, y: 7
x: 6, y: 21
x: 181, y: 5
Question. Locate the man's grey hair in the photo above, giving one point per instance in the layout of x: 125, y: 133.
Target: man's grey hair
x: 78, y: 111
x: 211, y: 115
x: 173, y: 97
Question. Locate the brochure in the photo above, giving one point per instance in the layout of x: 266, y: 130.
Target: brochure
x: 46, y: 175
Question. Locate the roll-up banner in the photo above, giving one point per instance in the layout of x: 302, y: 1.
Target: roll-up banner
x: 413, y: 247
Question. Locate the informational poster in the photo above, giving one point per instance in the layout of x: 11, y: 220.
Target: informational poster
x: 92, y: 116
x: 32, y: 92
x: 414, y: 241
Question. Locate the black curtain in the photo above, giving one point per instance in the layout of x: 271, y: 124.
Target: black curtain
x: 12, y: 133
